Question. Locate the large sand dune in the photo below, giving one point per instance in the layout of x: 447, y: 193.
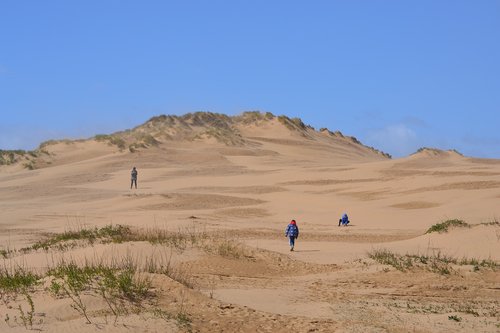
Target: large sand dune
x: 227, y: 192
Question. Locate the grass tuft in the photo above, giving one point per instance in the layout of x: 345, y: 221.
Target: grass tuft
x: 444, y: 226
x: 437, y: 263
x: 110, y: 233
x: 387, y: 257
x: 17, y: 279
x: 455, y: 318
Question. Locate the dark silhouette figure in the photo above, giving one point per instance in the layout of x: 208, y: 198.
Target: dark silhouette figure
x: 133, y: 177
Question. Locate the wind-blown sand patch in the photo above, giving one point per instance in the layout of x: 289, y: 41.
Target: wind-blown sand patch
x: 210, y: 171
x: 472, y: 185
x: 457, y: 242
x: 185, y: 201
x: 336, y: 235
x: 416, y: 205
x: 246, y: 152
x: 487, y: 161
x: 242, y: 212
x: 323, y: 182
x: 465, y: 173
x: 241, y: 189
x: 398, y: 173
x: 441, y: 173
x: 366, y: 195
x: 287, y: 142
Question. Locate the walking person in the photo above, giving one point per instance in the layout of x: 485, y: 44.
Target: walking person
x: 292, y: 232
x: 133, y: 177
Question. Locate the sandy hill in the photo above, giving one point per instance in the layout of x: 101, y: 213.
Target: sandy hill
x: 249, y: 133
x: 199, y: 246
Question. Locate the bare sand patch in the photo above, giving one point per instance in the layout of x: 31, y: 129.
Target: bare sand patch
x: 416, y: 205
x: 324, y: 182
x: 486, y: 161
x: 241, y: 189
x: 468, y: 186
x: 465, y: 173
x: 242, y: 213
x: 366, y: 195
x: 185, y: 201
x: 338, y: 234
x: 441, y: 173
x: 398, y: 173
x: 286, y: 142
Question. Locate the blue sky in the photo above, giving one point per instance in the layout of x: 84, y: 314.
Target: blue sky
x: 398, y: 75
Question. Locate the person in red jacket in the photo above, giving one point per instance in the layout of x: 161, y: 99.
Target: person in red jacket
x: 292, y: 232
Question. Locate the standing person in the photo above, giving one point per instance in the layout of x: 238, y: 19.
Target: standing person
x: 292, y: 232
x: 133, y: 176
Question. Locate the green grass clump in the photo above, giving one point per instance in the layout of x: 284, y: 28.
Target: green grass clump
x: 486, y: 263
x: 29, y: 165
x: 119, y: 284
x: 493, y: 223
x: 149, y: 140
x: 4, y: 253
x: 119, y: 234
x: 111, y: 139
x: 455, y: 318
x: 226, y: 248
x: 17, y: 279
x: 437, y: 263
x: 113, y: 233
x: 118, y: 280
x: 444, y: 226
x: 387, y: 257
x: 293, y: 123
x: 8, y: 157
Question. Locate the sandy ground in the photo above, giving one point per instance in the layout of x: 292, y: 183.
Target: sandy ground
x: 247, y: 196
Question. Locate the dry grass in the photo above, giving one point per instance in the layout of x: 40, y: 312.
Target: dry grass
x: 437, y: 263
x: 123, y: 283
x: 445, y: 225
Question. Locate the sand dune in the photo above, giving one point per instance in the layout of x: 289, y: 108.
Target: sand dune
x: 205, y: 229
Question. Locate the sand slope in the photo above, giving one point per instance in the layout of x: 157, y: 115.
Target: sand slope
x: 244, y: 191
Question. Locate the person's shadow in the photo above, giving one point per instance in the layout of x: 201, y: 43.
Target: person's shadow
x: 306, y: 251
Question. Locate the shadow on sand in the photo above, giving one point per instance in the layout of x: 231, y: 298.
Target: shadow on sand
x: 305, y: 250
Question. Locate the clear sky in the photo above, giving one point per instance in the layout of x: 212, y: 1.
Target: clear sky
x: 398, y: 75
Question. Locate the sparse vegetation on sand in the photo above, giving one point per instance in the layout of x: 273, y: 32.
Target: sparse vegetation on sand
x: 16, y: 279
x: 215, y: 243
x: 294, y: 124
x: 250, y: 117
x: 437, y: 263
x: 123, y: 284
x: 445, y: 225
x: 111, y: 139
x: 10, y: 156
x: 109, y: 233
x: 118, y: 283
x: 28, y: 158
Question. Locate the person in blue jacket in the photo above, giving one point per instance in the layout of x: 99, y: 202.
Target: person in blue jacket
x: 344, y: 220
x: 292, y: 232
